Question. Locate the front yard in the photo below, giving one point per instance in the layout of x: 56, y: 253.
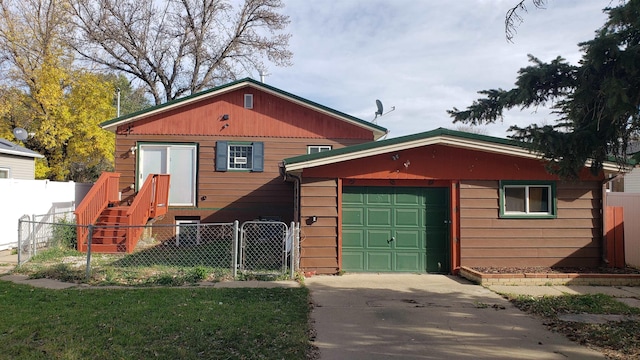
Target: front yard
x: 161, y: 323
x: 616, y: 339
x: 159, y: 266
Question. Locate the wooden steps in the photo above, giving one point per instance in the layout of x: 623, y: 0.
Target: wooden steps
x: 110, y: 232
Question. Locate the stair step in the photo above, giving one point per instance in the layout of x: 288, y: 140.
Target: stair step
x: 108, y: 248
x: 108, y: 239
x: 109, y: 231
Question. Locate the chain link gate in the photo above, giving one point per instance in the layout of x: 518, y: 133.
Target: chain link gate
x: 265, y: 247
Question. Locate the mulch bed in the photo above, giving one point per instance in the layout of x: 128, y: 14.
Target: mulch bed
x: 555, y: 270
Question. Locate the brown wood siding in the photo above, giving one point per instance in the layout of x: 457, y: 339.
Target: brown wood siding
x: 229, y: 195
x: 271, y: 116
x: 572, y: 239
x: 319, y: 241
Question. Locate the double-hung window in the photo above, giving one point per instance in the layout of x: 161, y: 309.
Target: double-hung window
x: 240, y: 156
x: 527, y: 199
x: 4, y: 173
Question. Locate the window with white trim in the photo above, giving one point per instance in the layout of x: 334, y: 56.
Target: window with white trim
x: 312, y: 149
x: 4, y: 173
x: 187, y: 232
x: 241, y: 156
x: 527, y: 199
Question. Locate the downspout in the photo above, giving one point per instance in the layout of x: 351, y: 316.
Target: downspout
x: 296, y: 197
x: 296, y: 191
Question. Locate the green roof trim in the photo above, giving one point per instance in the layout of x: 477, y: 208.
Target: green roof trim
x: 403, y: 139
x: 124, y: 118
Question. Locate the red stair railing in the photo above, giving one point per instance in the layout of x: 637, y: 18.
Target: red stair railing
x: 103, y: 192
x: 151, y: 201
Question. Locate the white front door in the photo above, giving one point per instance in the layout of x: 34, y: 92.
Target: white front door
x: 178, y: 160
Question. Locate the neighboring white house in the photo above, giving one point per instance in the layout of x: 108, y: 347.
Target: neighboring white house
x: 17, y: 162
x: 632, y: 181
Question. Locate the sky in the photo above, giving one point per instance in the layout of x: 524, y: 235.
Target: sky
x: 424, y: 57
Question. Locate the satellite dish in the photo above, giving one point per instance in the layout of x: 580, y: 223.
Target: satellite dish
x: 379, y: 112
x: 20, y: 133
x: 379, y: 105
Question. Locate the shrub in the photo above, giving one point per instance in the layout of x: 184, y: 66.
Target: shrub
x: 64, y: 234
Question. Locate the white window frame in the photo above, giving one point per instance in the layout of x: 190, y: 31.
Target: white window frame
x: 319, y: 148
x: 248, y: 101
x: 246, y: 160
x: 187, y: 222
x: 7, y: 171
x: 527, y: 213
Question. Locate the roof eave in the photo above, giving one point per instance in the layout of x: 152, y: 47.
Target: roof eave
x: 377, y: 131
x: 21, y: 153
x: 437, y: 140
x: 112, y: 126
x: 496, y: 148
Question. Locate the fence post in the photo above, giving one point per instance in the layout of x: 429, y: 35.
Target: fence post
x: 90, y: 230
x: 234, y: 251
x: 19, y: 241
x: 296, y: 240
x: 32, y: 250
x: 293, y: 249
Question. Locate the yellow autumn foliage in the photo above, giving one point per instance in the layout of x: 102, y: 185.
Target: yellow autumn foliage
x: 46, y: 93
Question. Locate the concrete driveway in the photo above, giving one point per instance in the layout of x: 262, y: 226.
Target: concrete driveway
x: 371, y: 316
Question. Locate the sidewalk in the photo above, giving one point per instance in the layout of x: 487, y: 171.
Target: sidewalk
x: 7, y: 261
x: 626, y: 294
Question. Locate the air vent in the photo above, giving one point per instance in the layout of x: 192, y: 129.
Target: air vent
x: 248, y: 101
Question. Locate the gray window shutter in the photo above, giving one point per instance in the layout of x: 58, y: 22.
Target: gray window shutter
x: 221, y: 155
x: 258, y: 157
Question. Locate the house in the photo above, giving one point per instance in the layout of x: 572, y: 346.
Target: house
x: 428, y: 202
x: 630, y: 181
x: 443, y: 199
x: 17, y: 162
x: 222, y: 149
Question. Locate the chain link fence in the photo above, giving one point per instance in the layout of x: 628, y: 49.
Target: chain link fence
x: 40, y: 232
x: 163, y: 254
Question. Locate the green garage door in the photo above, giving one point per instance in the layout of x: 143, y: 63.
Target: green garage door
x: 395, y: 229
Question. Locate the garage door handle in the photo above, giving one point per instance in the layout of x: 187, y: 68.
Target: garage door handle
x: 392, y: 239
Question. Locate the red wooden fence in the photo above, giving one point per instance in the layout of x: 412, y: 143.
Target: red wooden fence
x: 614, y: 228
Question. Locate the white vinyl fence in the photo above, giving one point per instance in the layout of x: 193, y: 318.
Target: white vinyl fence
x: 38, y: 199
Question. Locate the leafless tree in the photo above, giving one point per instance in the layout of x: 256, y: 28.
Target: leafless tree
x: 180, y: 47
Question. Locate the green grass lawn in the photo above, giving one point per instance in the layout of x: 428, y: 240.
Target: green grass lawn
x: 160, y: 323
